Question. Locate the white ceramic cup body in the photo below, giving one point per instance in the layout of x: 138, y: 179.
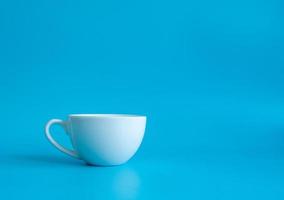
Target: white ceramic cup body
x: 105, y: 139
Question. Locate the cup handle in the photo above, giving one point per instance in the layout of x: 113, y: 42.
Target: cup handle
x: 52, y: 141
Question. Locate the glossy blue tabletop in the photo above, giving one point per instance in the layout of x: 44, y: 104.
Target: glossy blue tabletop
x: 33, y: 175
x: 248, y: 166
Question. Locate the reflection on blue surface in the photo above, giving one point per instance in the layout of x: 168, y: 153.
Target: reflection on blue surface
x: 126, y: 184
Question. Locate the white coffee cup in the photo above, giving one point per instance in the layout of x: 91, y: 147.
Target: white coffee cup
x: 101, y: 139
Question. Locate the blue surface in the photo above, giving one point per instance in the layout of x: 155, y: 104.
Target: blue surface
x: 208, y: 74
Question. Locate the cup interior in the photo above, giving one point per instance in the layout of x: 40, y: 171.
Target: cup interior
x: 105, y: 115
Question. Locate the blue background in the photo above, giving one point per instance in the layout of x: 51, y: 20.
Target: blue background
x: 208, y: 74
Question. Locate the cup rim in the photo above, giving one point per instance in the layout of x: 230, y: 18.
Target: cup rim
x: 107, y: 115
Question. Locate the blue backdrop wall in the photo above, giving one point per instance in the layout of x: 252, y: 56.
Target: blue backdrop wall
x: 208, y: 74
